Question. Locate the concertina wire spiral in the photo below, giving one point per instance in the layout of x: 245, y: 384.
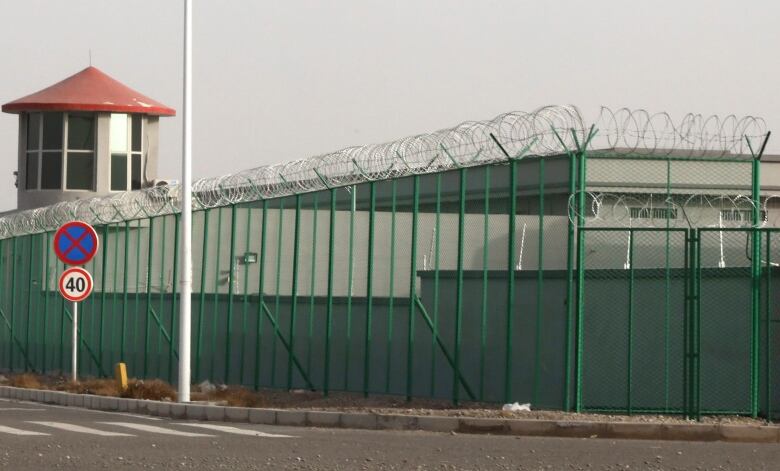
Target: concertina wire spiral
x: 550, y: 130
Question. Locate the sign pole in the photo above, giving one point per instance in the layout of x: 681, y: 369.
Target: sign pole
x: 74, y: 353
x: 75, y: 243
x: 185, y: 321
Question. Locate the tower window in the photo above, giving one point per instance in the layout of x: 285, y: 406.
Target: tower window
x: 118, y: 172
x: 60, y: 151
x: 80, y: 171
x: 126, y: 145
x: 51, y: 171
x: 80, y: 152
x: 52, y: 131
x: 31, y: 182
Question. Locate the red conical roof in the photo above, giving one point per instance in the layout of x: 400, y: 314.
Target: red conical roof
x: 89, y: 90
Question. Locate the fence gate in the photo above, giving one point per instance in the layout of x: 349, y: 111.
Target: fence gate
x: 633, y: 320
x: 680, y: 321
x: 724, y: 326
x: 736, y: 312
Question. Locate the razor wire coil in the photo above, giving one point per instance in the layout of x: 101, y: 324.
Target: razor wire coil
x: 550, y: 130
x: 663, y: 211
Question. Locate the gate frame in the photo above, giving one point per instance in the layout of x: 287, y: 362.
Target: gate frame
x: 689, y: 356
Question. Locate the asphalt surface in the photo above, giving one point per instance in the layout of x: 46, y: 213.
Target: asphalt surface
x: 43, y: 437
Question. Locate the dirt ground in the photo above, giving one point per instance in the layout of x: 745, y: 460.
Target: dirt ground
x: 335, y: 401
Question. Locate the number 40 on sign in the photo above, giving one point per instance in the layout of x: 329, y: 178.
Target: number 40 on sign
x: 75, y: 284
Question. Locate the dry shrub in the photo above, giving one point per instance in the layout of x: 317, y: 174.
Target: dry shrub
x: 154, y: 389
x: 26, y: 380
x: 99, y: 387
x: 198, y: 396
x: 239, y: 397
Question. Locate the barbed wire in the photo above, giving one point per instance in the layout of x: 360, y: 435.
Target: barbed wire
x: 695, y: 135
x: 550, y: 130
x: 674, y: 211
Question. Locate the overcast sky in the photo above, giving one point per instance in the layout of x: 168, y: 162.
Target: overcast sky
x: 282, y: 80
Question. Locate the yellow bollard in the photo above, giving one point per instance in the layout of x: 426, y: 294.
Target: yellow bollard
x: 120, y: 373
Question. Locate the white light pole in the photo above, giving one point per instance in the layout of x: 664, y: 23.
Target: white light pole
x: 185, y: 320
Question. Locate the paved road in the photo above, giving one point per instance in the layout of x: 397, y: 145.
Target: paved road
x: 43, y: 437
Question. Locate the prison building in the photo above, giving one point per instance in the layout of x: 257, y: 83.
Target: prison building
x: 625, y: 264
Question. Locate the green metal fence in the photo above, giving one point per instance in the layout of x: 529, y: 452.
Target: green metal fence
x: 429, y: 285
x: 487, y: 283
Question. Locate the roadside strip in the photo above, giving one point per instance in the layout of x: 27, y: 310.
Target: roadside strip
x: 371, y: 421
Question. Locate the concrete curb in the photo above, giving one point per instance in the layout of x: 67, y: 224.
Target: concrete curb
x: 371, y: 421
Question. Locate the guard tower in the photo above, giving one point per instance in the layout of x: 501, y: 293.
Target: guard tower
x: 88, y: 135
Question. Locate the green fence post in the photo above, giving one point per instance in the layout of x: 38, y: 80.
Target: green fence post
x: 539, y: 287
x: 485, y: 260
x: 456, y: 374
x: 697, y: 320
x: 62, y: 326
x: 755, y: 268
x: 570, y: 294
x: 39, y: 294
x: 688, y: 280
x: 245, y: 301
x: 768, y: 328
x: 329, y: 312
x: 350, y: 279
x: 436, y: 278
x: 31, y: 240
x: 2, y: 285
x: 582, y: 184
x: 312, y: 279
x: 686, y: 325
x: 3, y: 269
x: 369, y: 288
x: 630, y: 314
x: 94, y: 329
x: 755, y: 299
x: 30, y: 300
x: 37, y: 319
x: 231, y: 280
x: 391, y: 298
x: 294, y: 288
x: 163, y: 237
x: 203, y: 264
x: 667, y: 282
x: 412, y: 288
x: 693, y: 354
x: 13, y: 305
x: 148, y: 295
x: 113, y: 317
x: 215, y: 320
x: 102, y: 313
x: 124, y: 293
x: 260, y: 295
x: 510, y: 302
x: 137, y: 319
x: 45, y: 285
x: 277, y: 288
x: 174, y: 284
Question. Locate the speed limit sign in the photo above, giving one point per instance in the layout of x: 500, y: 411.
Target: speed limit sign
x: 75, y: 284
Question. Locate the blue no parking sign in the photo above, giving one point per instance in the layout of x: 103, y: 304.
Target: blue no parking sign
x: 75, y: 243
